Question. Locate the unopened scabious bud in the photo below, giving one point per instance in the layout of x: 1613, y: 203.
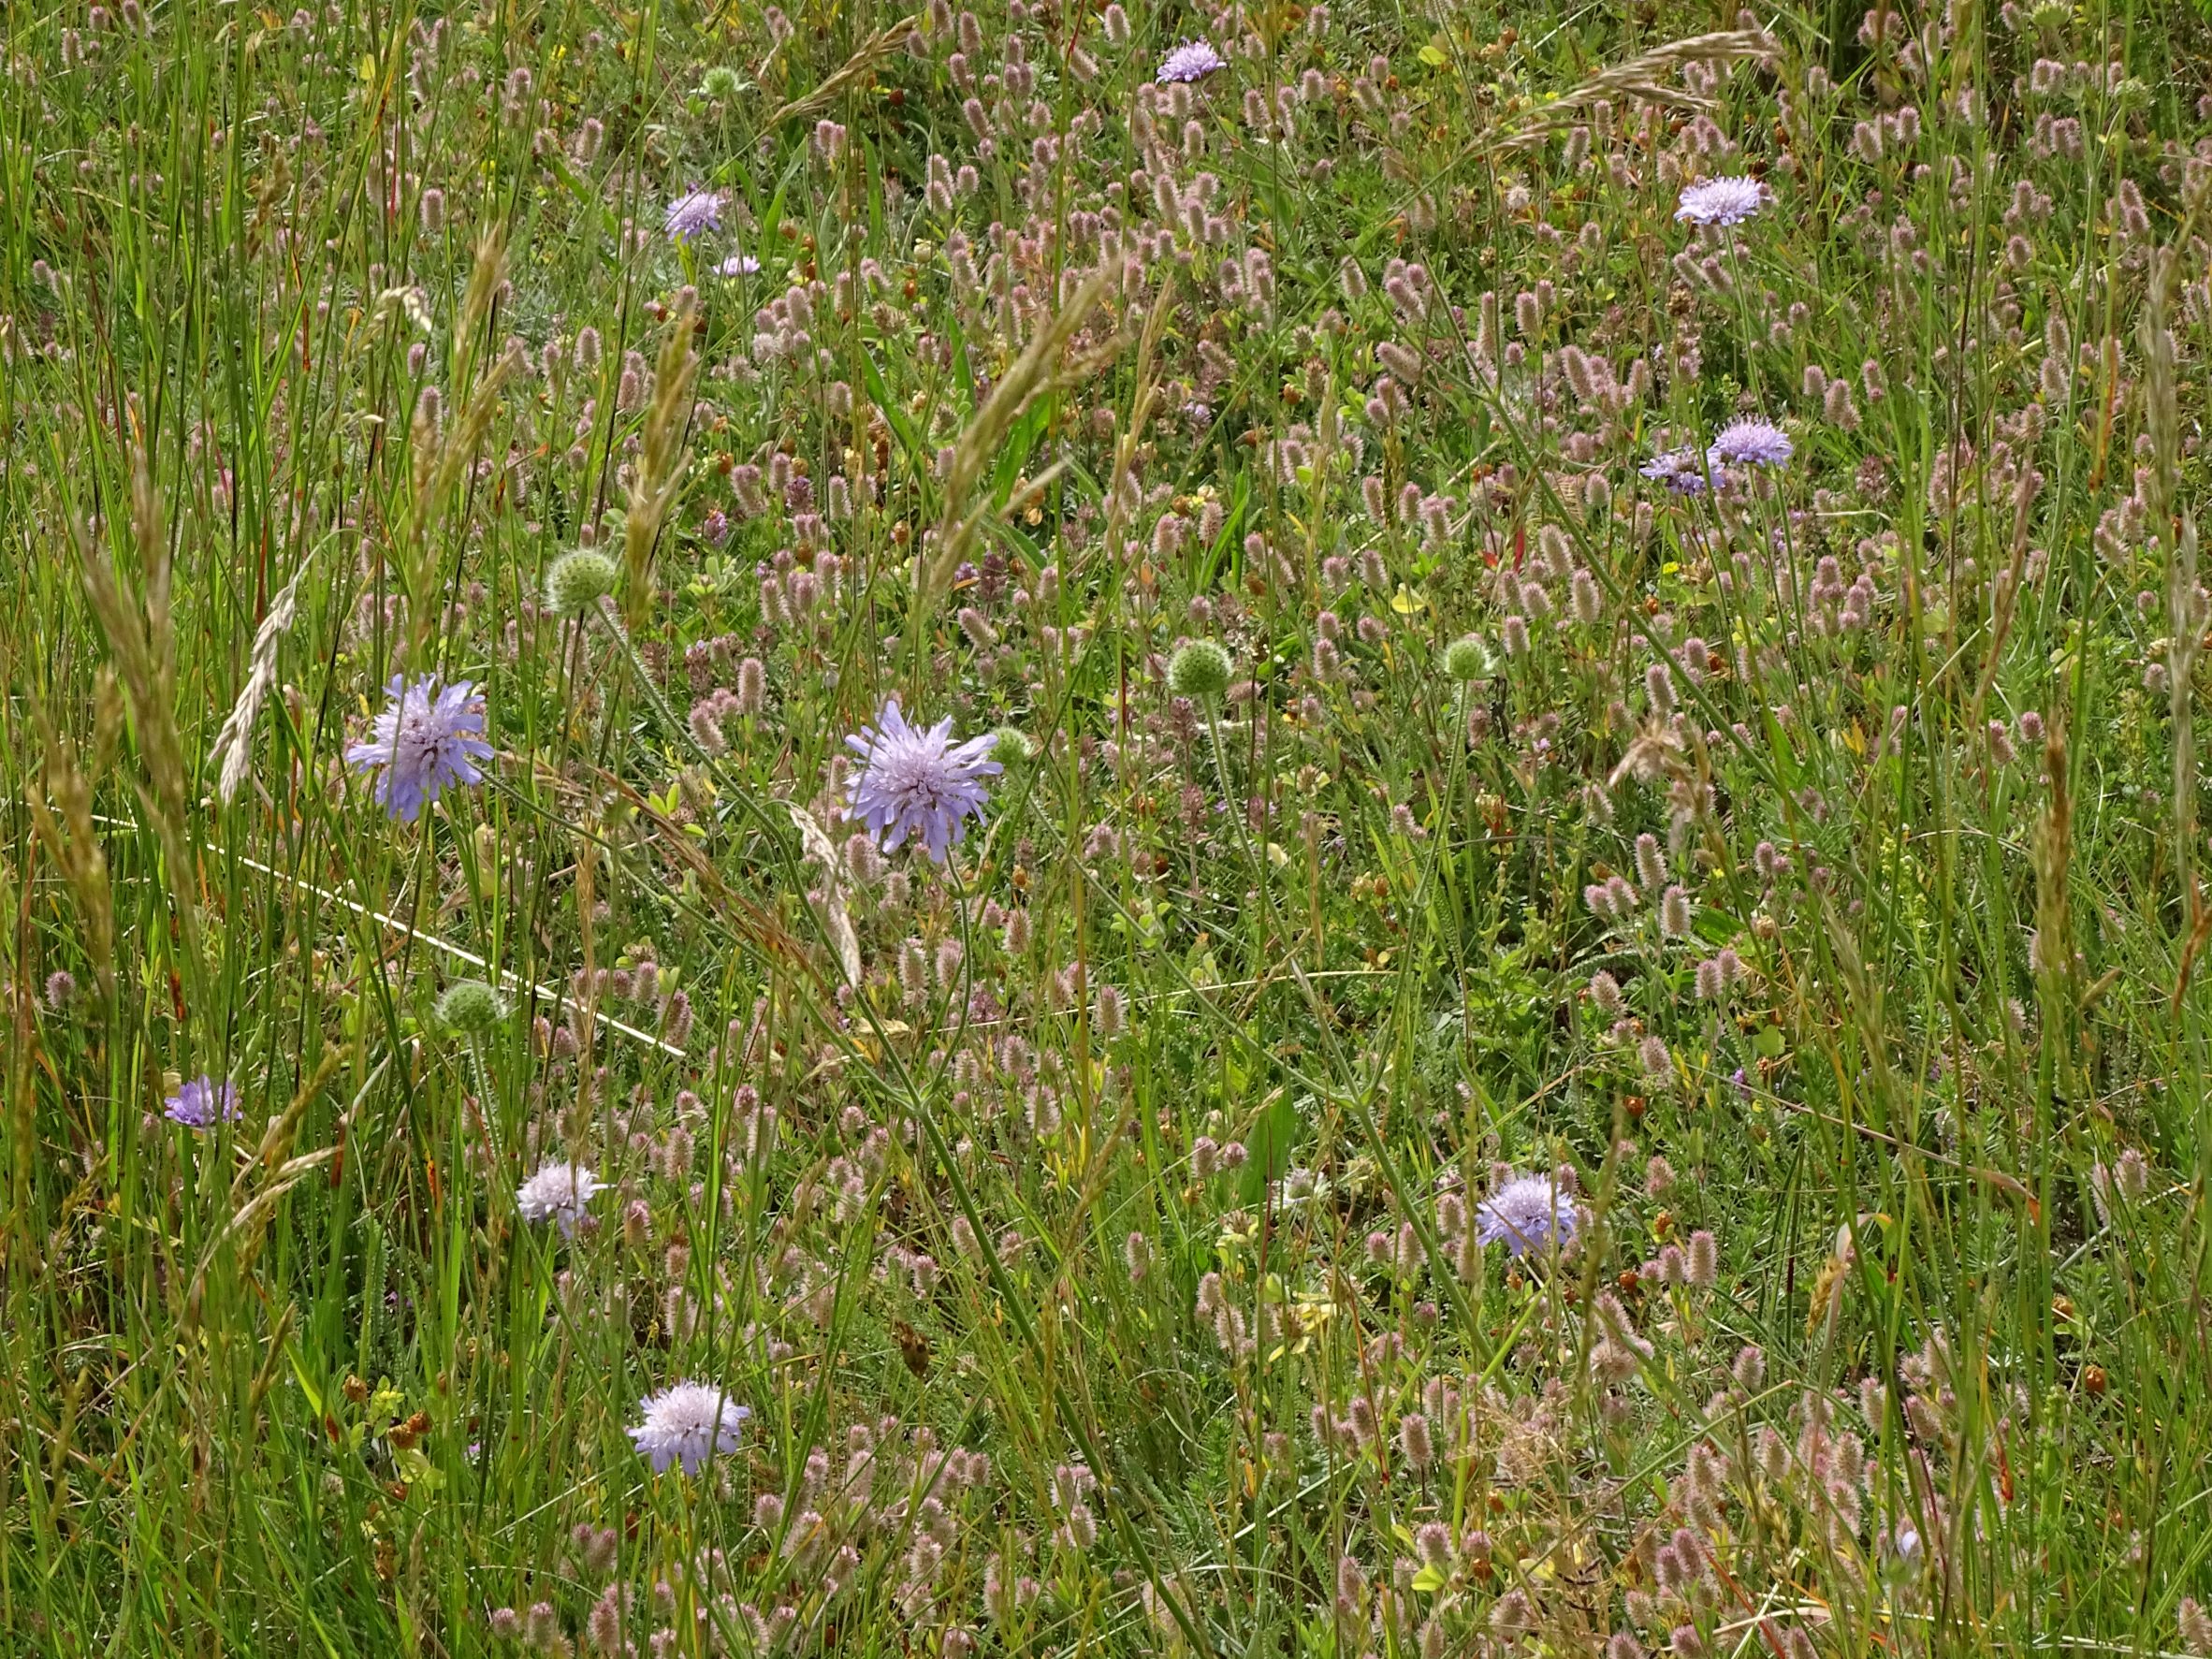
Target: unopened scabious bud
x: 1008, y: 746
x: 472, y: 1008
x: 1200, y: 670
x: 1466, y: 658
x: 578, y: 581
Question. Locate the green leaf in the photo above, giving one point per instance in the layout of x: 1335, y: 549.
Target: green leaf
x: 1268, y: 1144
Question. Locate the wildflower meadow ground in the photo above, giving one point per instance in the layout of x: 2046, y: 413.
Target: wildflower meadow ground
x: 1059, y: 829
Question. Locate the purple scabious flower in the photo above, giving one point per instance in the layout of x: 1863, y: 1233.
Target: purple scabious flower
x: 1528, y: 1212
x: 1752, y: 443
x: 738, y: 265
x: 1681, y: 471
x: 692, y: 212
x: 203, y: 1104
x: 558, y: 1192
x: 1194, y: 60
x: 687, y: 1424
x: 918, y: 782
x: 425, y: 739
x: 1720, y: 201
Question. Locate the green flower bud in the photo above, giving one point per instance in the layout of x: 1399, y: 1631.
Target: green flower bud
x: 472, y: 1008
x: 1200, y: 671
x: 578, y: 581
x: 1467, y: 658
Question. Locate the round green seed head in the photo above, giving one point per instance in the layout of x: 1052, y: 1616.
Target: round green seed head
x: 1200, y: 671
x: 472, y: 1008
x: 1466, y: 658
x: 578, y: 581
x: 1009, y: 748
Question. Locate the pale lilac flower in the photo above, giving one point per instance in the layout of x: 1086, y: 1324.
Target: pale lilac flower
x: 1680, y: 471
x: 1752, y: 443
x: 692, y: 212
x: 1194, y: 60
x: 1528, y: 1212
x: 425, y: 739
x: 738, y: 265
x: 203, y: 1104
x: 687, y: 1424
x: 558, y: 1192
x: 1720, y: 201
x: 918, y: 782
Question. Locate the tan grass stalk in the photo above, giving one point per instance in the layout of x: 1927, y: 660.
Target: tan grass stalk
x: 660, y: 464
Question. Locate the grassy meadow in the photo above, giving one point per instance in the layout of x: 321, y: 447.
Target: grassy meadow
x: 1525, y: 971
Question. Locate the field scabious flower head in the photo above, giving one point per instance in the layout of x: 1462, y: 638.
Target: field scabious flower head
x: 558, y: 1192
x: 919, y: 782
x: 1527, y: 1212
x: 692, y: 213
x: 1720, y: 201
x: 203, y: 1104
x: 1680, y: 471
x: 738, y: 265
x: 687, y: 1424
x: 1751, y: 442
x: 425, y: 739
x: 1194, y: 60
